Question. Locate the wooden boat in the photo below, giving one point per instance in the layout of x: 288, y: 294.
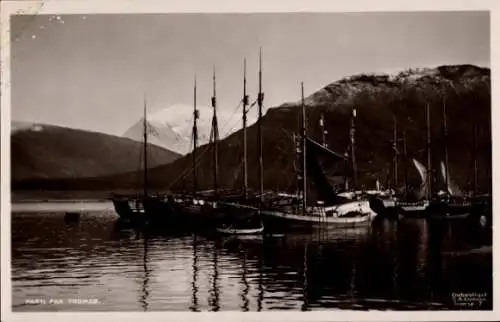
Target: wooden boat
x: 418, y: 207
x: 413, y: 207
x: 450, y: 207
x: 127, y: 208
x: 240, y: 231
x: 384, y: 205
x: 133, y: 208
x: 452, y: 203
x: 201, y: 208
x: 351, y: 213
x: 384, y: 202
x: 248, y: 202
x: 145, y: 207
x: 336, y: 212
x: 72, y: 216
x: 235, y: 223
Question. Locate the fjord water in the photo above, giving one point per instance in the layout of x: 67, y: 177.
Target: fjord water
x: 94, y: 265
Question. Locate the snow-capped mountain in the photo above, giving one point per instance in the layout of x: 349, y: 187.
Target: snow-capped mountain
x: 171, y: 128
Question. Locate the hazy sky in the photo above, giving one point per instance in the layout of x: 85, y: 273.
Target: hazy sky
x: 91, y: 71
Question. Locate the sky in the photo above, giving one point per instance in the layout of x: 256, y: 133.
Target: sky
x: 93, y: 71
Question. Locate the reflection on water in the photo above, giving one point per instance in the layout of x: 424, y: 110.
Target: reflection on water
x: 144, y: 298
x: 194, y: 283
x: 410, y: 264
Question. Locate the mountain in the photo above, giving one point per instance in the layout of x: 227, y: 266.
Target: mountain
x: 171, y: 128
x: 378, y: 99
x: 40, y: 151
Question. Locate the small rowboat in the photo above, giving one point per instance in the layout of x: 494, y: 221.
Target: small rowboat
x: 240, y: 231
x: 71, y: 216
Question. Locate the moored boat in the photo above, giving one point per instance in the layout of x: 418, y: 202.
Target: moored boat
x: 412, y: 209
x: 247, y: 203
x: 452, y: 203
x: 145, y: 207
x: 351, y: 213
x: 200, y: 209
x: 336, y: 212
x: 230, y: 230
x: 418, y: 206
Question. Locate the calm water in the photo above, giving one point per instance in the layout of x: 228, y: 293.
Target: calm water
x: 407, y: 265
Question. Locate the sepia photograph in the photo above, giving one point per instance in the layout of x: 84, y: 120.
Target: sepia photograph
x: 248, y: 161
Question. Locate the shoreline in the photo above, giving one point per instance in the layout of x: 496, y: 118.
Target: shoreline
x: 55, y: 196
x: 61, y: 201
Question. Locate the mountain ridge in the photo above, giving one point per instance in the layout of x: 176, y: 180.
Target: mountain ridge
x: 43, y: 151
x: 171, y: 127
x: 378, y: 100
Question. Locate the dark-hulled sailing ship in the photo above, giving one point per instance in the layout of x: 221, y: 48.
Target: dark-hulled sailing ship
x: 145, y: 207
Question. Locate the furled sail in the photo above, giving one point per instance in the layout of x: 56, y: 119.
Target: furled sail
x: 423, y: 176
x: 452, y: 188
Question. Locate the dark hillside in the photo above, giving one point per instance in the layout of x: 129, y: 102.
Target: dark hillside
x: 378, y: 99
x: 53, y: 152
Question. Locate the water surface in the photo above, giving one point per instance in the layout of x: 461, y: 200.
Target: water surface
x: 93, y: 265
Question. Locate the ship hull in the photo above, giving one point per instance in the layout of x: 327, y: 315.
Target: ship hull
x: 247, y: 231
x: 450, y: 210
x: 149, y: 210
x: 412, y: 209
x: 201, y: 214
x: 459, y: 208
x: 384, y: 207
x: 128, y: 210
x: 351, y: 214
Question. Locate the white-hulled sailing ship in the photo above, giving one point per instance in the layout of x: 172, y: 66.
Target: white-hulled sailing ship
x: 384, y: 201
x: 299, y: 211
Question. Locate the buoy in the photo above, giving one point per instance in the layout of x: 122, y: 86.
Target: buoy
x: 72, y: 216
x: 483, y: 220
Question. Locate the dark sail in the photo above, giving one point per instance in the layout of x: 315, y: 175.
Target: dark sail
x: 315, y: 154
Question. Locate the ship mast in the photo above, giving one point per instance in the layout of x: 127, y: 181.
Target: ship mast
x: 445, y: 134
x: 323, y: 130
x: 260, y: 100
x: 304, y: 170
x: 429, y: 165
x: 395, y: 148
x: 245, y: 104
x: 346, y: 169
x: 215, y: 131
x: 405, y: 165
x: 353, y: 149
x: 195, y: 139
x: 474, y: 149
x: 145, y: 150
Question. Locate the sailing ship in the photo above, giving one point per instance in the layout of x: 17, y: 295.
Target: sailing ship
x: 334, y: 211
x: 384, y: 201
x: 199, y: 208
x: 245, y: 207
x: 418, y: 206
x: 147, y: 207
x: 452, y: 202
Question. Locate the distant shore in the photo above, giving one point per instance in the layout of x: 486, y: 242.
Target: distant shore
x: 41, y: 196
